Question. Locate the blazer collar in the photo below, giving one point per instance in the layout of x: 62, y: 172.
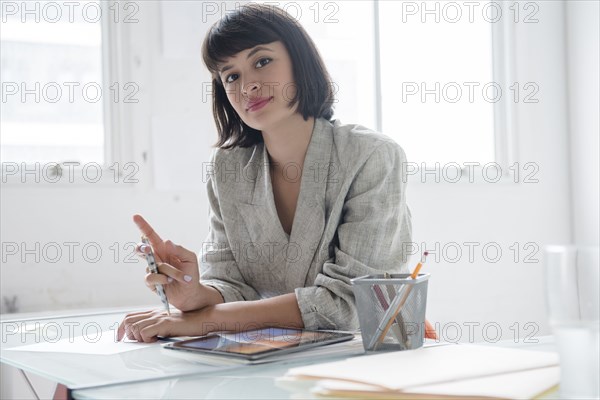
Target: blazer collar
x: 309, y: 219
x: 316, y: 163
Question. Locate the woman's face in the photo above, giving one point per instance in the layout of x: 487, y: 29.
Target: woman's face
x: 259, y: 83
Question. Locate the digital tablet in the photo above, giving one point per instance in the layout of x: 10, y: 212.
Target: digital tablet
x: 259, y: 343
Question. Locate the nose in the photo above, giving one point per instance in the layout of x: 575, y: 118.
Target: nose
x: 251, y: 89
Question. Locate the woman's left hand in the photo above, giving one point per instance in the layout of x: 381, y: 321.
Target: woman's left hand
x: 145, y: 326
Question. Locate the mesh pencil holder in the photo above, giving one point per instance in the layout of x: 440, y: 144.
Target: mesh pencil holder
x: 377, y: 301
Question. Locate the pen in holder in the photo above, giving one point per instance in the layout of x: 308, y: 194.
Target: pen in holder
x: 391, y: 310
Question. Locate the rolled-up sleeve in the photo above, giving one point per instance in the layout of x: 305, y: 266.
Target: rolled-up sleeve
x: 218, y: 267
x: 371, y: 238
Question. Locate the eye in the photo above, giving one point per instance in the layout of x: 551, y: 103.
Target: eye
x: 261, y: 61
x: 227, y: 80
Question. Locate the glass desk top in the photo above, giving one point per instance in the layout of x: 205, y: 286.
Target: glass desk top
x: 254, y: 382
x: 149, y: 372
x: 84, y: 370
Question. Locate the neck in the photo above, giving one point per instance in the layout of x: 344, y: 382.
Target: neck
x: 288, y: 142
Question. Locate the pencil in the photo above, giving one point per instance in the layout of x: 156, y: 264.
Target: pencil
x: 419, y: 265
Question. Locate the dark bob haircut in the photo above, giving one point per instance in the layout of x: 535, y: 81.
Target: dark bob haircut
x: 251, y: 25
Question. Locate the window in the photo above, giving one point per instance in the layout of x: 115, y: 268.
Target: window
x: 437, y: 86
x: 54, y: 94
x: 421, y: 72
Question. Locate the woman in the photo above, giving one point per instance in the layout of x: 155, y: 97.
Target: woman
x: 299, y: 203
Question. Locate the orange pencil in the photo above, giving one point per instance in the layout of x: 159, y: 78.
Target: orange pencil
x: 418, y: 267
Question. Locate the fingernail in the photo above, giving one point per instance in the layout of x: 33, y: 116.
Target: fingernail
x: 169, y: 279
x: 187, y: 278
x: 143, y: 248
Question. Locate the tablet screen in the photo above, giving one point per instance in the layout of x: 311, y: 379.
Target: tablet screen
x: 260, y: 341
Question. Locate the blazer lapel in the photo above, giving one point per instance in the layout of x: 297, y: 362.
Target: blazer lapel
x: 257, y: 208
x: 258, y: 211
x: 309, y: 219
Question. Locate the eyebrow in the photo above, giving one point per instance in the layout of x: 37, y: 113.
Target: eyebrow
x: 253, y: 52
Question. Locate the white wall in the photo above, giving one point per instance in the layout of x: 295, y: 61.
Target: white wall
x: 583, y: 63
x: 101, y: 214
x: 502, y: 293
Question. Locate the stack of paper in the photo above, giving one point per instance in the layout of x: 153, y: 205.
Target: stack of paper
x: 441, y: 371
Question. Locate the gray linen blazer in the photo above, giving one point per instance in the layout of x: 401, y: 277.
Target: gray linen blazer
x: 351, y: 220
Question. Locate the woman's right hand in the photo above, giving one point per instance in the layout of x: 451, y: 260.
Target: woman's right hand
x: 177, y: 266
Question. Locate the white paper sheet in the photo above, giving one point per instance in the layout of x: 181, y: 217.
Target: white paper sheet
x: 428, y: 366
x: 515, y: 385
x: 101, y: 344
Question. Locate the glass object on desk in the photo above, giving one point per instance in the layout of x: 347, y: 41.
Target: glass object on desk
x: 572, y: 292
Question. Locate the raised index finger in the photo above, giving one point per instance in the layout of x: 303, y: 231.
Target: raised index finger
x: 147, y: 230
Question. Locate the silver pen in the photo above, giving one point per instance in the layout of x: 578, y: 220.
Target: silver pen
x: 154, y: 269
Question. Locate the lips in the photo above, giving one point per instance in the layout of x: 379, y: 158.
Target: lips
x: 258, y: 103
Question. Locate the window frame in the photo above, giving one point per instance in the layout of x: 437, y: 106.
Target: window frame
x: 116, y: 148
x: 503, y: 48
x: 504, y: 127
